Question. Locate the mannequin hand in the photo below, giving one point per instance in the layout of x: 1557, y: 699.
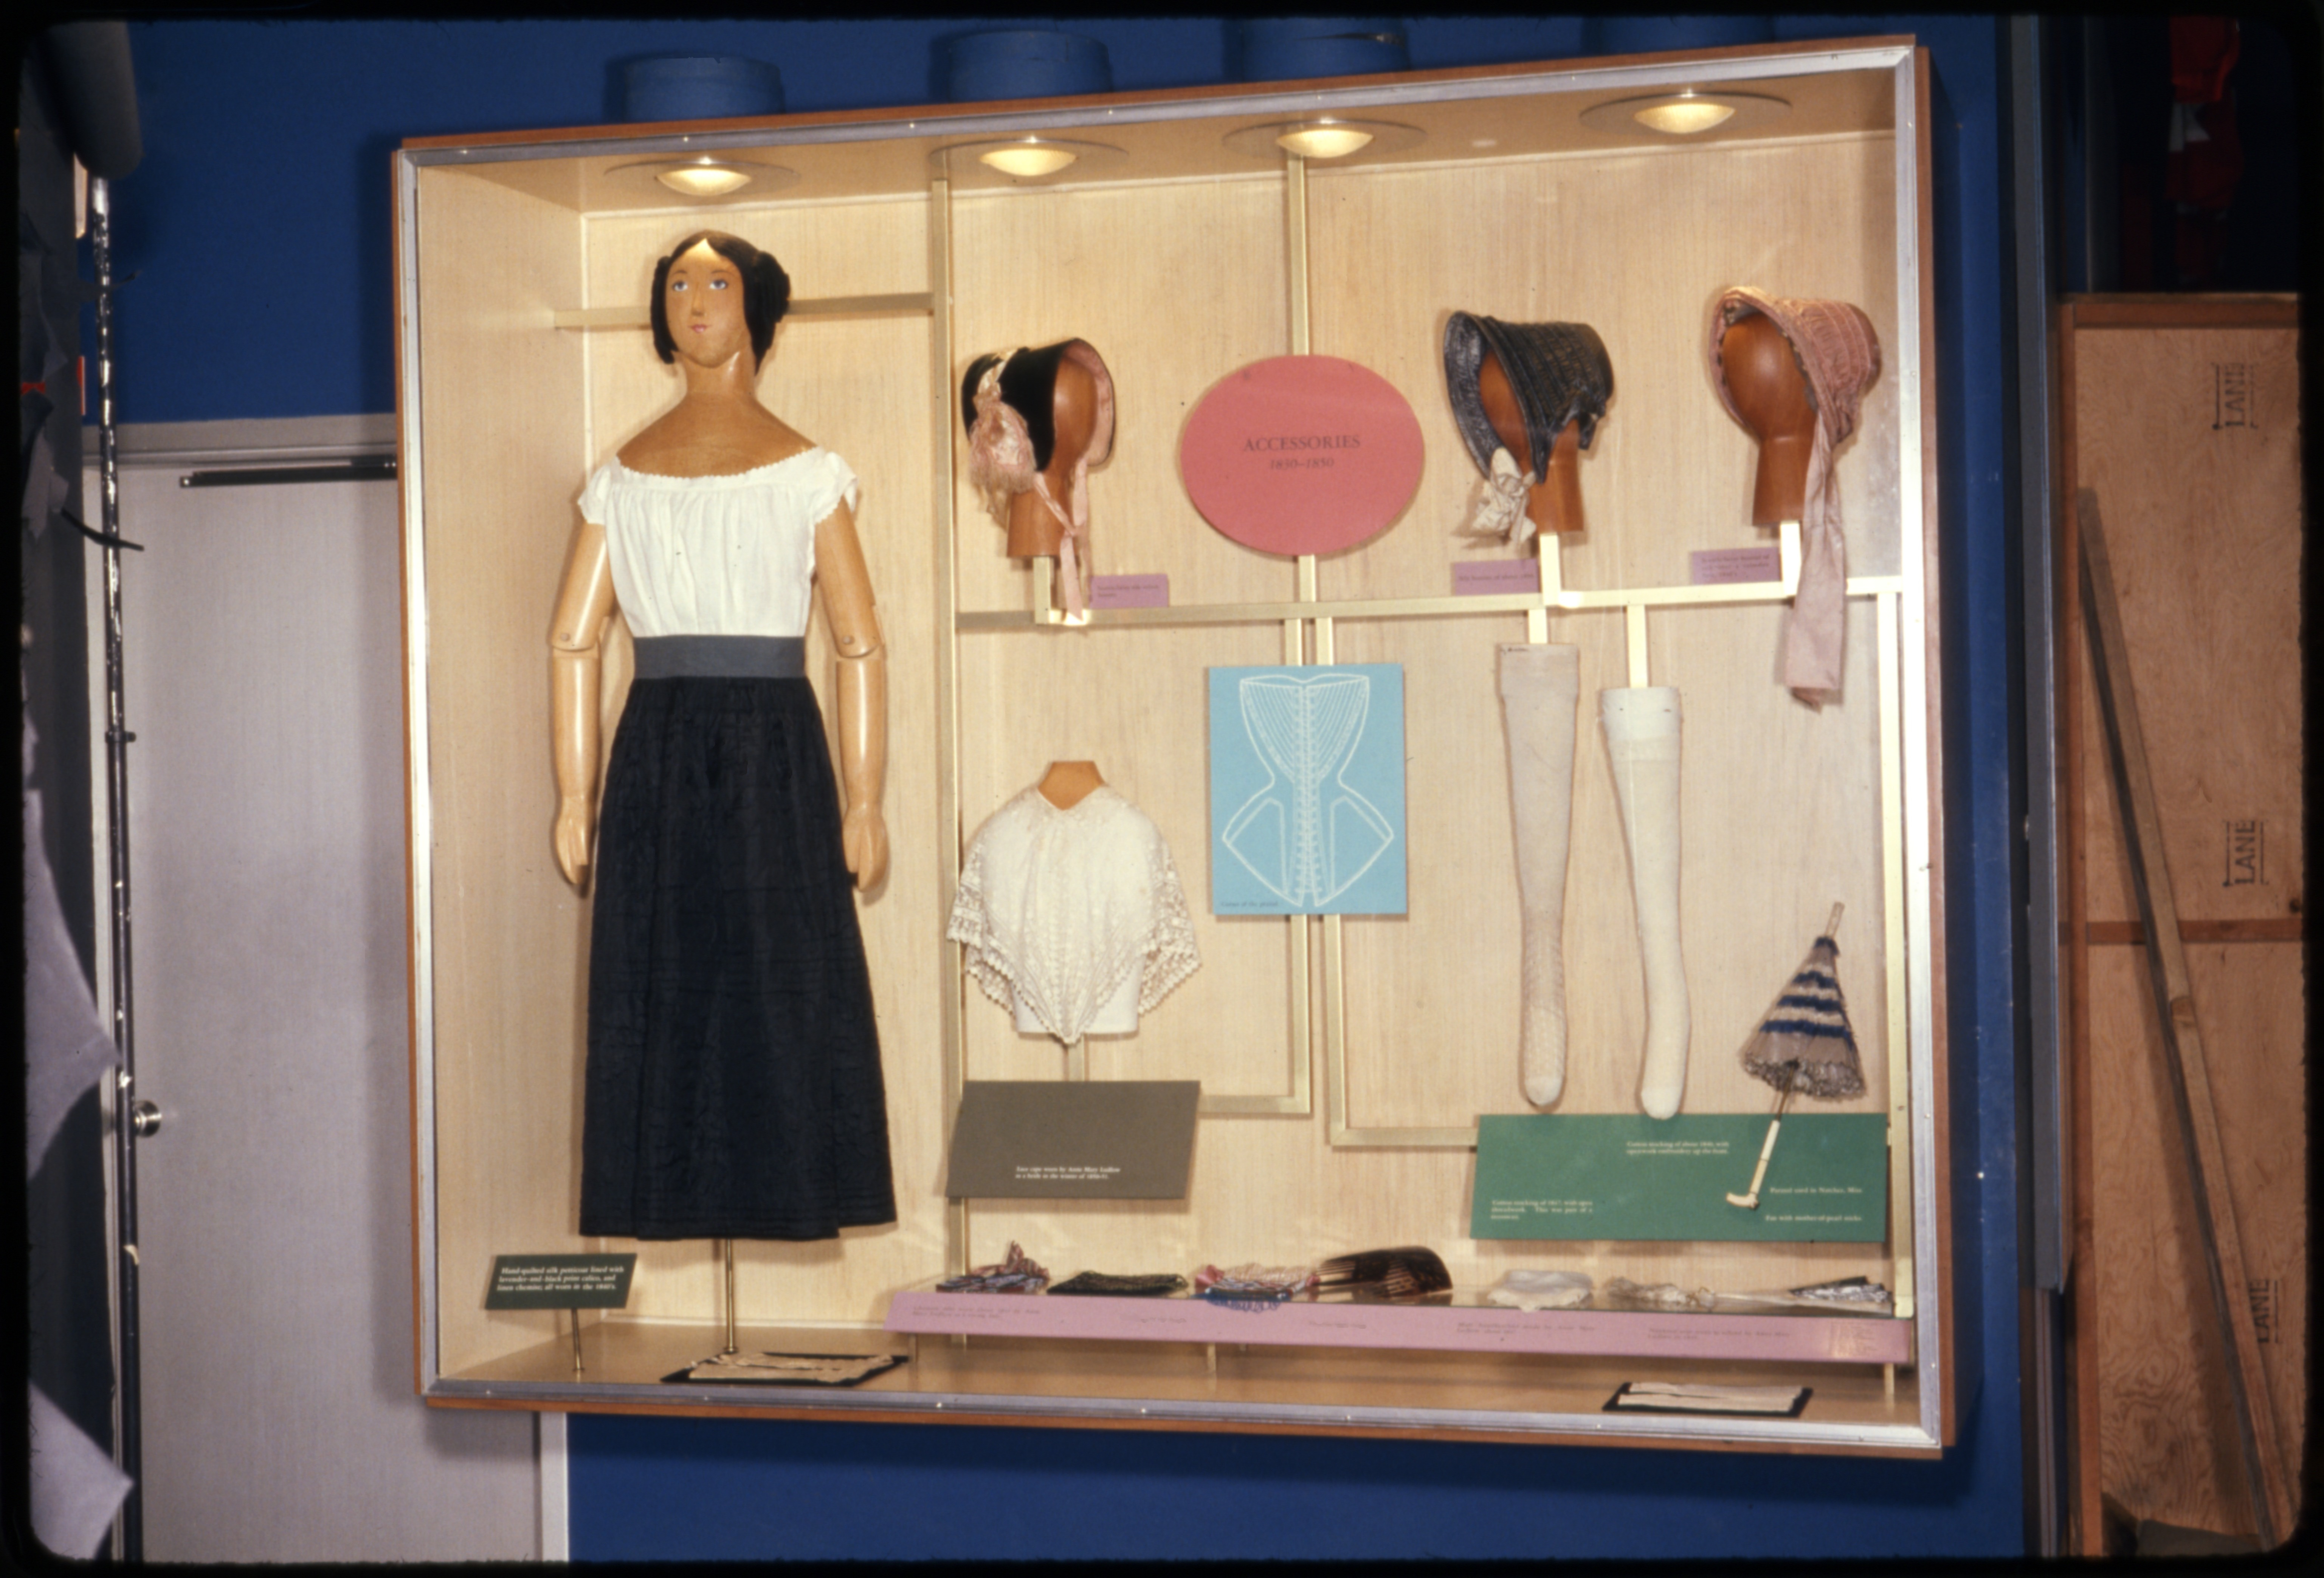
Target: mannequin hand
x: 572, y: 832
x: 863, y: 836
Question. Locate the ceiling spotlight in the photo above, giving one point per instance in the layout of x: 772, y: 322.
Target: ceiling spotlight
x: 1686, y: 118
x: 1020, y: 158
x: 1322, y: 141
x: 1685, y: 113
x: 705, y: 179
x: 1029, y: 159
x: 1321, y: 137
x: 704, y: 176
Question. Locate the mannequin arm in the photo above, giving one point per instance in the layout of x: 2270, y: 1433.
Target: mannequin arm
x: 845, y: 582
x: 585, y: 602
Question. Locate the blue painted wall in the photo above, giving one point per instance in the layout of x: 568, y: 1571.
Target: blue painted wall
x: 258, y: 229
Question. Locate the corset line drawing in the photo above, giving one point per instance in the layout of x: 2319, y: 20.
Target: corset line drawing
x: 1307, y: 835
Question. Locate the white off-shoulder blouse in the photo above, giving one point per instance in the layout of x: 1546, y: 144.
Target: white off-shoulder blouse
x: 731, y: 555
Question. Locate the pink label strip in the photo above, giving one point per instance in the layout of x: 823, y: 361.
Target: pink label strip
x: 1804, y: 1338
x: 1480, y: 577
x: 1726, y: 566
x: 1129, y: 592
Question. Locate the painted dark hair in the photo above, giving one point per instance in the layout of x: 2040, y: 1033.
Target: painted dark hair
x: 766, y: 290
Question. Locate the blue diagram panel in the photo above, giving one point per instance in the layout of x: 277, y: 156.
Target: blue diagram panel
x: 1307, y: 790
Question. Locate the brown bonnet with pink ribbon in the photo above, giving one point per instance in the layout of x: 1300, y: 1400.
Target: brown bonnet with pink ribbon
x: 1008, y: 405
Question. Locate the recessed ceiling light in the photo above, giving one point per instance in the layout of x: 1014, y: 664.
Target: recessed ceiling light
x: 1682, y: 119
x: 1021, y: 158
x: 1689, y: 113
x: 1029, y: 159
x: 1322, y: 142
x: 706, y: 176
x: 1322, y: 137
x: 705, y: 180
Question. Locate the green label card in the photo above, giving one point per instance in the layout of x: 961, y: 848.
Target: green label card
x: 1629, y: 1176
x: 560, y: 1281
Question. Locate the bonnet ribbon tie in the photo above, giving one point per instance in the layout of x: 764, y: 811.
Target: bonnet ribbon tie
x: 1501, y: 509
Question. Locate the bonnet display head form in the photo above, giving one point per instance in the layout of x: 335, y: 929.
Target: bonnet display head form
x: 1836, y: 354
x: 1012, y: 404
x: 1557, y: 374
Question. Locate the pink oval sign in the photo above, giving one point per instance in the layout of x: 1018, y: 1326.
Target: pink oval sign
x: 1301, y: 454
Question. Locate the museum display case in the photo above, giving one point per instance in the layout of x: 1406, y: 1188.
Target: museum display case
x: 1353, y: 1063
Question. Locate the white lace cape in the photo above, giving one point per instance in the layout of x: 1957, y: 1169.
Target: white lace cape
x: 1059, y: 909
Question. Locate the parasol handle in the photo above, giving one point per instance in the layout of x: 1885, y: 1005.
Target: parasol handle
x: 1832, y: 927
x: 1750, y: 1201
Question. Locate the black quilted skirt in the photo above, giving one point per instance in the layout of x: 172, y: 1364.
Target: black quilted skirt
x: 734, y: 1085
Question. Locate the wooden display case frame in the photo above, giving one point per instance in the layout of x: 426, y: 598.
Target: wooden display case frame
x: 911, y: 259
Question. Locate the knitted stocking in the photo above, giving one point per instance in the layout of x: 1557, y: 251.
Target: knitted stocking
x: 1539, y: 687
x: 1642, y: 733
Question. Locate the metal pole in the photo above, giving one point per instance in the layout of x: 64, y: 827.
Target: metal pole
x: 127, y: 1446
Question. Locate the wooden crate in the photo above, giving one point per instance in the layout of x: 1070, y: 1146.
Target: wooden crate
x: 2182, y: 414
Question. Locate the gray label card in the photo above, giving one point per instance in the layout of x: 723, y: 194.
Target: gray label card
x: 1058, y: 1140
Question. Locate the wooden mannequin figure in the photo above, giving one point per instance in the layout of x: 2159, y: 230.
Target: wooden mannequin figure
x: 1554, y: 503
x: 1037, y: 421
x: 734, y: 1087
x: 1771, y: 396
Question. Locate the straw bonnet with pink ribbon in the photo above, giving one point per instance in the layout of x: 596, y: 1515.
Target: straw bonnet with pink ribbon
x: 1838, y: 356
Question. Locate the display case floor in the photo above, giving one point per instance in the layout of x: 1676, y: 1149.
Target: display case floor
x: 1155, y: 1385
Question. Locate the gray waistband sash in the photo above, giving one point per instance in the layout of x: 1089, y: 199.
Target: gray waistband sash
x: 722, y: 657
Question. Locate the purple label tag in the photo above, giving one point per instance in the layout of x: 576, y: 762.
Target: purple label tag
x: 1483, y: 577
x: 1724, y: 566
x: 1129, y: 592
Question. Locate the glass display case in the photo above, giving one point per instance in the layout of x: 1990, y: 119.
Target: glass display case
x: 1350, y: 1062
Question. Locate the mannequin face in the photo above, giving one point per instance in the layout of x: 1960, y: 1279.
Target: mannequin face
x: 703, y: 302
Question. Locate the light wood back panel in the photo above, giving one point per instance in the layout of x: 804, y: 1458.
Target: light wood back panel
x: 1176, y: 284
x: 1781, y: 815
x: 500, y: 400
x: 1561, y: 240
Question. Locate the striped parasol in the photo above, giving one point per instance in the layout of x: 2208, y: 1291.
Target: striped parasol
x: 1804, y: 1045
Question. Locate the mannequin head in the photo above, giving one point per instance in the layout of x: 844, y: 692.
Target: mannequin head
x: 1555, y: 502
x: 1771, y: 399
x: 766, y: 289
x: 1792, y: 372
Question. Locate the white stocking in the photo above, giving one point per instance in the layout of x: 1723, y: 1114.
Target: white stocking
x: 1642, y: 742
x: 1539, y: 688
